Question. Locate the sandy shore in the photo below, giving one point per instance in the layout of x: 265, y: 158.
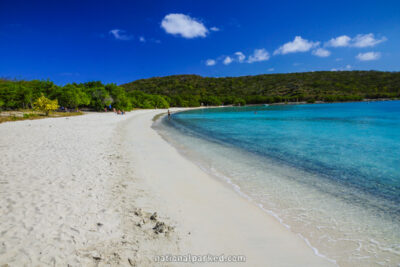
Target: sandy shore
x: 83, y: 191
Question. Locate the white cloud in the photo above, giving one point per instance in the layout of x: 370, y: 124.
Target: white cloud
x: 120, y: 35
x: 142, y: 39
x: 368, y: 56
x: 297, y: 45
x: 210, y: 62
x: 240, y: 56
x: 228, y: 60
x: 345, y: 68
x: 321, y: 52
x: 258, y: 55
x: 361, y: 40
x: 340, y: 41
x: 183, y: 25
x: 271, y: 69
x: 214, y: 29
x: 366, y: 40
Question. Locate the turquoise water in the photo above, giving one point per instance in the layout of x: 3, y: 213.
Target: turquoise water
x: 328, y: 172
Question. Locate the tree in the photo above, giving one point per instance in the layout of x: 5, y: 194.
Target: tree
x: 72, y: 96
x: 239, y: 101
x: 159, y: 102
x: 100, y: 98
x: 45, y: 105
x: 119, y: 97
x: 25, y: 95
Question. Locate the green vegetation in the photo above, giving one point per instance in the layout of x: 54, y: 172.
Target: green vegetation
x: 45, y: 105
x: 91, y: 95
x: 193, y: 90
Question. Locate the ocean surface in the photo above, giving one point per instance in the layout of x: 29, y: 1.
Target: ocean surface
x: 328, y: 172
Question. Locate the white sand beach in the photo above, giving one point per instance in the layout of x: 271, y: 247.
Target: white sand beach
x: 81, y: 191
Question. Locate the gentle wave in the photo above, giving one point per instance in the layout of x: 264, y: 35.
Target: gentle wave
x: 338, y: 222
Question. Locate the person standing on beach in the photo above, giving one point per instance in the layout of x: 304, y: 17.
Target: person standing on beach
x: 169, y: 115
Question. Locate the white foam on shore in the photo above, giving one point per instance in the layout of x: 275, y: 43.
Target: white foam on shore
x: 316, y: 252
x: 213, y: 172
x: 236, y: 188
x: 331, y: 218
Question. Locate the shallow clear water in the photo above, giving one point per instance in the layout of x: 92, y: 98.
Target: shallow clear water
x: 328, y: 172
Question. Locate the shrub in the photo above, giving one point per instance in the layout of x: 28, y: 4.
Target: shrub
x: 45, y: 105
x: 239, y: 102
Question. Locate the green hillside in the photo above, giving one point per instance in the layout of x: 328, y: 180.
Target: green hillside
x: 193, y: 90
x: 308, y: 86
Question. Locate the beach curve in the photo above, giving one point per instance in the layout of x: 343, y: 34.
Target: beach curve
x: 82, y: 191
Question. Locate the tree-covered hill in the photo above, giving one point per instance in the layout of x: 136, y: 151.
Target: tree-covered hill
x: 193, y: 90
x: 307, y: 86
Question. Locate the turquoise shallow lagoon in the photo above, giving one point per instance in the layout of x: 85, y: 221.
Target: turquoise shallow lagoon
x: 328, y: 172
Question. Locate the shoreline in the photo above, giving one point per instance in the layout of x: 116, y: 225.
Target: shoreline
x: 227, y: 182
x: 88, y: 188
x: 199, y: 187
x: 192, y: 135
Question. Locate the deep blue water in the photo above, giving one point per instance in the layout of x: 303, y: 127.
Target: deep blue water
x: 356, y: 145
x: 329, y: 172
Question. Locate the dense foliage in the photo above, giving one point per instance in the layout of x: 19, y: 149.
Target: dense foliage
x: 191, y: 90
x: 92, y: 95
x: 45, y: 105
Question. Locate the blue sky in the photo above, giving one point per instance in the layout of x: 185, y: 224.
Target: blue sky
x: 122, y: 41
